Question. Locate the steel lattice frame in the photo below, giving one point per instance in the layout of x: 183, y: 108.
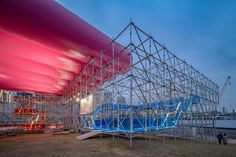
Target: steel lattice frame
x: 156, y: 74
x: 30, y: 112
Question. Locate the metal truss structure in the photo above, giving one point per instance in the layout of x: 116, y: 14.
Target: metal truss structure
x: 159, y: 93
x: 156, y: 75
x: 21, y: 112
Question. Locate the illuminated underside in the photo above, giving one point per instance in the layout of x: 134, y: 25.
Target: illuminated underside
x: 43, y: 46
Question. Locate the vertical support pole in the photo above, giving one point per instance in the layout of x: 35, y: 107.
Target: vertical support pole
x: 175, y: 133
x: 150, y: 115
x: 118, y: 111
x: 131, y: 88
x: 165, y: 90
x: 3, y: 105
x: 191, y: 114
x: 92, y: 90
x: 113, y: 77
x: 100, y: 101
x: 164, y: 138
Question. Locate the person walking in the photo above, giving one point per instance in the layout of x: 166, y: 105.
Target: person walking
x: 219, y: 137
x: 225, y: 138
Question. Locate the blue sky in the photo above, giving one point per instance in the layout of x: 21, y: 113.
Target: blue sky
x: 203, y: 32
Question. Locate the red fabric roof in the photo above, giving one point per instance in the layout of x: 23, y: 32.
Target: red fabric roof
x: 43, y: 46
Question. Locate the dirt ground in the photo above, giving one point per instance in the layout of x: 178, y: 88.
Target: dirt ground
x: 41, y: 145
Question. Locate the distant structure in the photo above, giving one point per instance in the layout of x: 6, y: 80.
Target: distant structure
x: 223, y: 109
x: 107, y: 97
x: 222, y: 91
x: 120, y: 100
x: 226, y: 83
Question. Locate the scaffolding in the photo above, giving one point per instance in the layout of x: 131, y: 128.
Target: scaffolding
x: 158, y: 94
x: 24, y: 113
x: 123, y: 101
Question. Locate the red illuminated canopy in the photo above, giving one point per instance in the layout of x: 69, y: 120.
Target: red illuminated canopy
x: 43, y: 46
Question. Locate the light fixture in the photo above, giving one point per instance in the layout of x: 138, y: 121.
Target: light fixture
x: 84, y: 101
x: 37, y: 118
x: 69, y: 65
x: 77, y: 99
x: 76, y: 54
x: 3, y: 76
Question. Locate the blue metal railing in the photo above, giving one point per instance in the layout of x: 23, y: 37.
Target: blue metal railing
x: 124, y: 118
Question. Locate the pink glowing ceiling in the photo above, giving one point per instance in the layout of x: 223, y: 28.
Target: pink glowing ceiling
x: 43, y: 46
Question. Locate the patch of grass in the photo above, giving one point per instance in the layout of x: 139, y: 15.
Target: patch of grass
x: 66, y: 145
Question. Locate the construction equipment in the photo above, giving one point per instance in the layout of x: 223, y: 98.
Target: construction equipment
x: 226, y: 84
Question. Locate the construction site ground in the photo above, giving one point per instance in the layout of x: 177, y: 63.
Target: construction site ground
x: 66, y: 145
